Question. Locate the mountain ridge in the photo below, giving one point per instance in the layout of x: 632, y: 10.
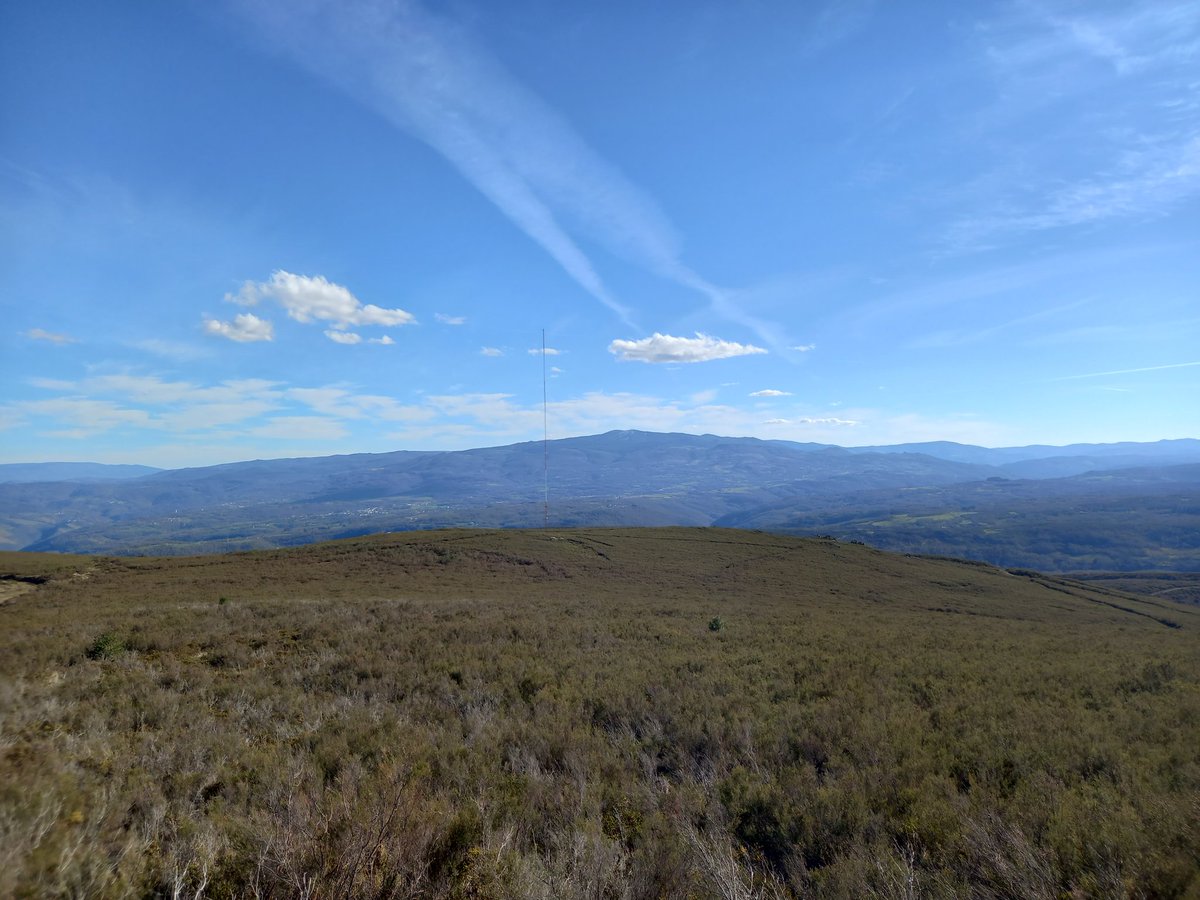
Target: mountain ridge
x: 621, y: 478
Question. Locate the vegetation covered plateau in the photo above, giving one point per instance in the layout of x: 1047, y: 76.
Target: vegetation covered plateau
x: 624, y: 713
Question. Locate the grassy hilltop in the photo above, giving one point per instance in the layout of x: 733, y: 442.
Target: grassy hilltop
x: 591, y: 713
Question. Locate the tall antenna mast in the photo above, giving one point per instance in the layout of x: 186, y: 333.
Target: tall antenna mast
x: 545, y: 443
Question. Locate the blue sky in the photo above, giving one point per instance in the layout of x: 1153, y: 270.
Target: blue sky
x: 258, y: 229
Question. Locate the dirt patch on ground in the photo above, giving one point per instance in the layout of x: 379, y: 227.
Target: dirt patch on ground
x: 10, y: 589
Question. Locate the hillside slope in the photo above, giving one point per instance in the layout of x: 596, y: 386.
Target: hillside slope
x: 619, y: 478
x: 581, y: 713
x: 1120, y: 516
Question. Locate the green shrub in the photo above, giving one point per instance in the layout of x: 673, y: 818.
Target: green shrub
x: 106, y: 646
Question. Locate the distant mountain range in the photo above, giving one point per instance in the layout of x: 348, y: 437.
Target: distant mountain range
x: 70, y: 471
x: 1083, y: 507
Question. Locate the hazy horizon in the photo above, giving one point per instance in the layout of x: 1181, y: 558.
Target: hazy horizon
x: 538, y: 441
x: 254, y: 229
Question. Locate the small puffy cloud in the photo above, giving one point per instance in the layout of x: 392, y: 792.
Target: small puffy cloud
x: 316, y: 299
x: 777, y: 422
x: 40, y: 334
x: 450, y: 320
x: 549, y: 351
x: 385, y: 341
x: 803, y: 348
x: 666, y: 348
x: 770, y: 392
x: 555, y: 370
x: 490, y: 351
x: 245, y: 328
x: 344, y: 337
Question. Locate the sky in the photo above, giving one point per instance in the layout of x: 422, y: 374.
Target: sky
x: 249, y: 229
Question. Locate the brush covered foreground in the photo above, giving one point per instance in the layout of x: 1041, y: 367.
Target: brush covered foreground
x: 553, y: 714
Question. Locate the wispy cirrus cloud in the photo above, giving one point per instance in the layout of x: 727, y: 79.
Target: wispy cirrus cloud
x: 1096, y: 119
x: 177, y: 351
x: 666, y: 348
x: 50, y: 337
x: 423, y: 73
x: 300, y: 428
x: 81, y: 417
x: 770, y: 392
x: 1184, y: 365
x: 445, y: 319
x: 343, y: 403
x: 1147, y: 181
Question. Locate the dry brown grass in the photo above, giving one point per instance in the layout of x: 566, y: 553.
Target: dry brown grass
x: 549, y: 714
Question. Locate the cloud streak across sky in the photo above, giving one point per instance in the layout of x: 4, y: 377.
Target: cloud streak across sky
x: 425, y: 75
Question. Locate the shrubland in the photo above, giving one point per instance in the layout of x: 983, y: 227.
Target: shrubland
x: 680, y: 713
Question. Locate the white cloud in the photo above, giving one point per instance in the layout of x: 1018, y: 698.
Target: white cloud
x: 549, y: 351
x: 1184, y: 365
x: 494, y: 410
x: 840, y: 423
x: 665, y: 348
x: 301, y: 428
x: 385, y: 341
x: 1116, y: 81
x: 344, y: 337
x: 490, y: 351
x: 771, y: 392
x: 11, y: 417
x: 149, y: 402
x: 176, y: 351
x: 836, y: 423
x: 229, y: 416
x: 244, y: 328
x: 427, y: 77
x: 88, y: 416
x: 1142, y: 182
x: 51, y: 384
x: 450, y: 320
x: 803, y: 348
x: 340, y: 403
x: 316, y: 299
x: 39, y: 334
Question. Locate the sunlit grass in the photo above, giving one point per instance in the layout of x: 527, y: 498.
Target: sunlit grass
x: 554, y: 714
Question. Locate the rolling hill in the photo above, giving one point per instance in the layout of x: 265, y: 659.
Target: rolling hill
x: 591, y: 713
x: 1140, y: 512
